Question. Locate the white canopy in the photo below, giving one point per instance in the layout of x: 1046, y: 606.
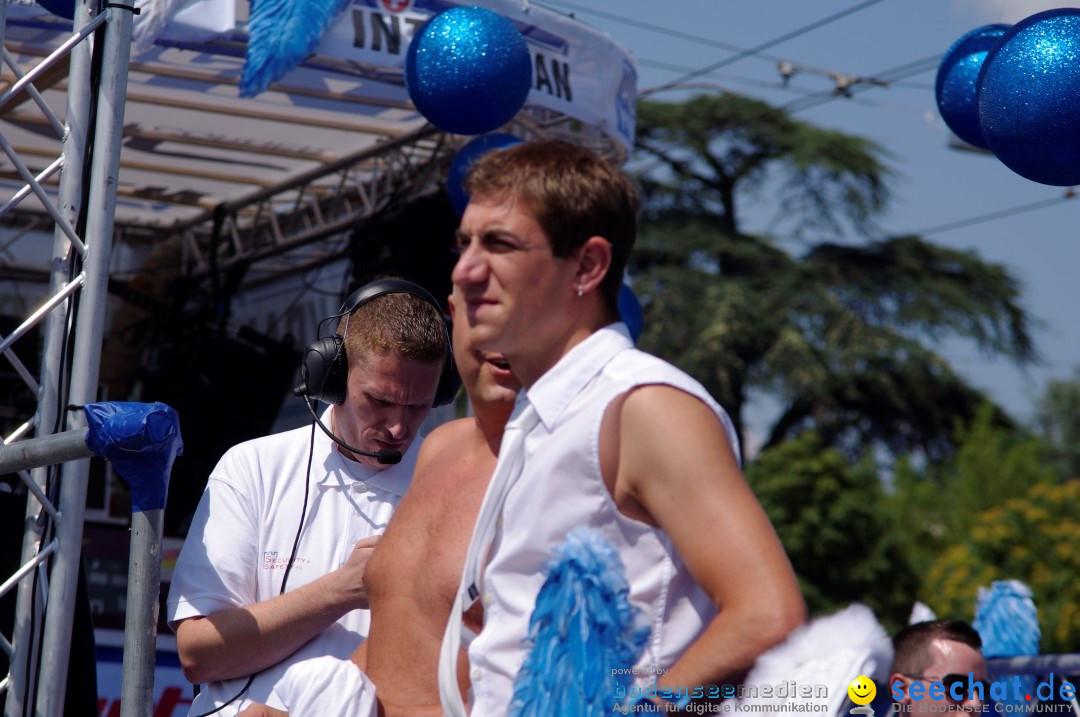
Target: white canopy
x: 341, y: 120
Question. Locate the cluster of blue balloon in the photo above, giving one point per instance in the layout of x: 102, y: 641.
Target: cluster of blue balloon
x: 1016, y: 92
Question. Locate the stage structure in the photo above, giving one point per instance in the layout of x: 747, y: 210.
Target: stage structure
x: 125, y: 154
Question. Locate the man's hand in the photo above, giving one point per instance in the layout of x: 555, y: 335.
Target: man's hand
x: 236, y: 642
x: 257, y: 710
x: 351, y: 573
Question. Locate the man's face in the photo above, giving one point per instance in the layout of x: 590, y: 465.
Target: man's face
x: 387, y: 398
x: 517, y: 295
x: 947, y: 658
x: 486, y: 375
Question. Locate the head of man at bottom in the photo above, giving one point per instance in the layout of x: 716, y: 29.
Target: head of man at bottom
x: 936, y: 663
x: 396, y: 346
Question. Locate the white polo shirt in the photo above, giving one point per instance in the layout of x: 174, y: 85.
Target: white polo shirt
x: 561, y: 487
x: 242, y: 534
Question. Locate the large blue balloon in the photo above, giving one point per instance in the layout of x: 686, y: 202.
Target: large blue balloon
x: 1029, y: 98
x: 631, y: 312
x: 468, y: 154
x: 468, y: 70
x: 957, y: 79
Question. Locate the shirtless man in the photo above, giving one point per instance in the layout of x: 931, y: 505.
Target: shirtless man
x: 413, y: 573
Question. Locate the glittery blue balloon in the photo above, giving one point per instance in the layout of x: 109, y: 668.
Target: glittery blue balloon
x: 1029, y: 98
x: 468, y: 70
x: 956, y: 82
x: 468, y: 154
x: 631, y: 312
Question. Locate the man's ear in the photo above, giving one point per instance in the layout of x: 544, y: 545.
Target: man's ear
x: 593, y: 263
x: 450, y: 304
x: 893, y: 679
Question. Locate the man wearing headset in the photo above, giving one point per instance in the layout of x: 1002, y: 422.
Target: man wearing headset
x: 271, y: 570
x: 415, y: 570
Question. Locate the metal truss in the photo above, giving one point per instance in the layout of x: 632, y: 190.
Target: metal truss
x: 290, y: 228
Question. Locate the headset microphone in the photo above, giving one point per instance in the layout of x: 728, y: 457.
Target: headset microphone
x: 386, y: 456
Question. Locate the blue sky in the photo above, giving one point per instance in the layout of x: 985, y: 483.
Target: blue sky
x: 935, y: 185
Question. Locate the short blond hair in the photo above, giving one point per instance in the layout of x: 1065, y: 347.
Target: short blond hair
x: 404, y: 324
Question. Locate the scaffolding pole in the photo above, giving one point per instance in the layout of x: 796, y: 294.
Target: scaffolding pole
x: 48, y: 418
x: 86, y: 356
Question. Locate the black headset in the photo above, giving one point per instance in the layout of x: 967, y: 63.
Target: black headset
x: 324, y: 371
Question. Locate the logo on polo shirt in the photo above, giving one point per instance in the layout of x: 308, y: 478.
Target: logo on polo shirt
x: 271, y: 561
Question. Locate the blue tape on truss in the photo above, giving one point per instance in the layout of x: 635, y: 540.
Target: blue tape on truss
x: 142, y: 440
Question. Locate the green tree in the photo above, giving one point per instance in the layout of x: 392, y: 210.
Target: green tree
x: 1058, y: 421
x: 827, y: 512
x: 842, y: 335
x: 937, y: 506
x: 1034, y: 539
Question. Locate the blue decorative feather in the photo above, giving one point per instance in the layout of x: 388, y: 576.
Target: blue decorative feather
x: 281, y: 34
x: 1008, y: 623
x: 582, y: 634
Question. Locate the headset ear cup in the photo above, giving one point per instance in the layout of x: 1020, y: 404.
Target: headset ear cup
x: 325, y: 370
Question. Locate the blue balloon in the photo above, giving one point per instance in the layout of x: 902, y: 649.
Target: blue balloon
x: 468, y: 154
x: 1029, y: 98
x: 468, y: 70
x: 957, y: 80
x: 631, y: 312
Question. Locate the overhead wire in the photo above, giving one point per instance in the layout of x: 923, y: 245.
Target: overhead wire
x: 884, y: 78
x: 765, y: 84
x: 1070, y: 193
x: 763, y: 46
x: 786, y: 66
x: 892, y: 77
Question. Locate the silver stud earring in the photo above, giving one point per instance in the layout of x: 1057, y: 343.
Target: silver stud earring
x: 580, y: 291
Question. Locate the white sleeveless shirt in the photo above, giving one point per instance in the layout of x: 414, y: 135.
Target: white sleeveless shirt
x: 561, y: 487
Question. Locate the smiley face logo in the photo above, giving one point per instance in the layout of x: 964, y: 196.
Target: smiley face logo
x: 862, y: 690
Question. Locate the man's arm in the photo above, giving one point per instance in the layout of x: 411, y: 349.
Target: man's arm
x: 240, y: 641
x: 256, y: 709
x: 676, y: 470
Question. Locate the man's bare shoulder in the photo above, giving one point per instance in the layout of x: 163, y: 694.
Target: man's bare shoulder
x: 449, y: 451
x: 448, y: 434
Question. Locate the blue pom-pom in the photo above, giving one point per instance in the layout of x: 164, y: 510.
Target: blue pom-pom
x: 468, y: 154
x: 1029, y: 98
x: 1006, y: 620
x: 582, y: 633
x: 1008, y: 623
x: 957, y: 80
x: 468, y: 70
